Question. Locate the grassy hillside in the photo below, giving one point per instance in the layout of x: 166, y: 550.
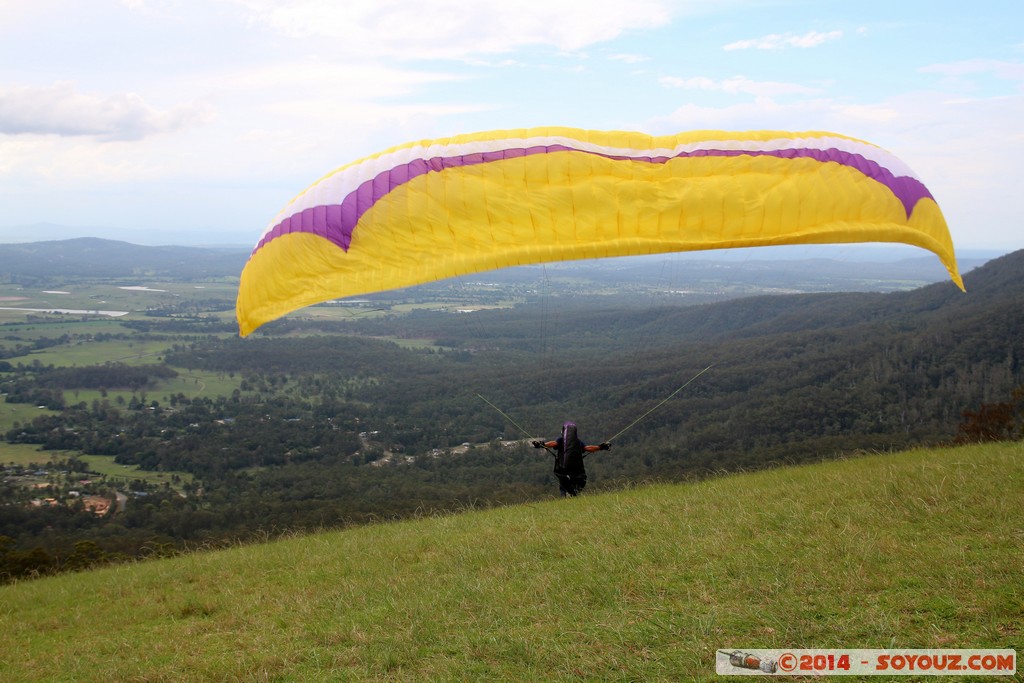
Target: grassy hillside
x: 919, y: 549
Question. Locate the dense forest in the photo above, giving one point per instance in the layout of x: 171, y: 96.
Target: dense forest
x: 336, y: 423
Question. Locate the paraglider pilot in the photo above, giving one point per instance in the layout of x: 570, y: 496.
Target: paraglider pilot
x: 569, y: 453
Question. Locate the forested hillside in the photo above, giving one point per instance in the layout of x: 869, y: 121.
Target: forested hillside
x: 336, y: 422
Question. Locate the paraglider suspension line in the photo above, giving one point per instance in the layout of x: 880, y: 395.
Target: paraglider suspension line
x: 663, y: 402
x: 502, y: 413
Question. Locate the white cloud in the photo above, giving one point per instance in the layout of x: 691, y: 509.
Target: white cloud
x: 628, y: 58
x: 454, y: 29
x: 74, y: 162
x: 62, y: 110
x: 866, y: 113
x: 14, y: 12
x: 996, y: 67
x: 738, y: 85
x: 778, y: 41
x: 354, y: 81
x: 495, y: 63
x: 959, y: 73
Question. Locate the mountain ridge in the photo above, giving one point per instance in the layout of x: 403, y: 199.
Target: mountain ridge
x: 97, y: 257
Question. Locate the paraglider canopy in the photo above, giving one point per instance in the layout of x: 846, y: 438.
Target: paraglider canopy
x: 440, y: 208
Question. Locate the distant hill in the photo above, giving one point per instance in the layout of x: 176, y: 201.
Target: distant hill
x: 150, y: 236
x: 93, y: 257
x: 994, y: 286
x: 823, y: 268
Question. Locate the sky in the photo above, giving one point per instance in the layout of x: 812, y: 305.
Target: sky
x: 196, y: 121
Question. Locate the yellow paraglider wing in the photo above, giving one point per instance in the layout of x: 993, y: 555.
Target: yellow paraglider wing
x: 440, y: 208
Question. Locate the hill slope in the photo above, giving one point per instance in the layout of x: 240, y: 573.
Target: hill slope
x: 795, y: 377
x: 920, y: 549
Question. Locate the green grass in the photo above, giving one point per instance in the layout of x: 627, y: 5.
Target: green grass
x: 28, y: 454
x: 30, y: 331
x: 85, y: 294
x: 195, y: 383
x: 191, y: 383
x: 105, y: 465
x: 110, y: 296
x: 920, y: 549
x: 128, y: 351
x: 22, y: 413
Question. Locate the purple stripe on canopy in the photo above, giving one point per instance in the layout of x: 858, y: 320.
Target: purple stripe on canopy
x: 336, y: 222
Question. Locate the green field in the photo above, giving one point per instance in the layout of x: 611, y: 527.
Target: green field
x: 127, y: 294
x: 134, y: 296
x: 55, y: 327
x: 105, y: 465
x: 127, y: 351
x: 192, y: 384
x: 19, y: 412
x: 26, y: 454
x: 195, y: 383
x: 923, y: 549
